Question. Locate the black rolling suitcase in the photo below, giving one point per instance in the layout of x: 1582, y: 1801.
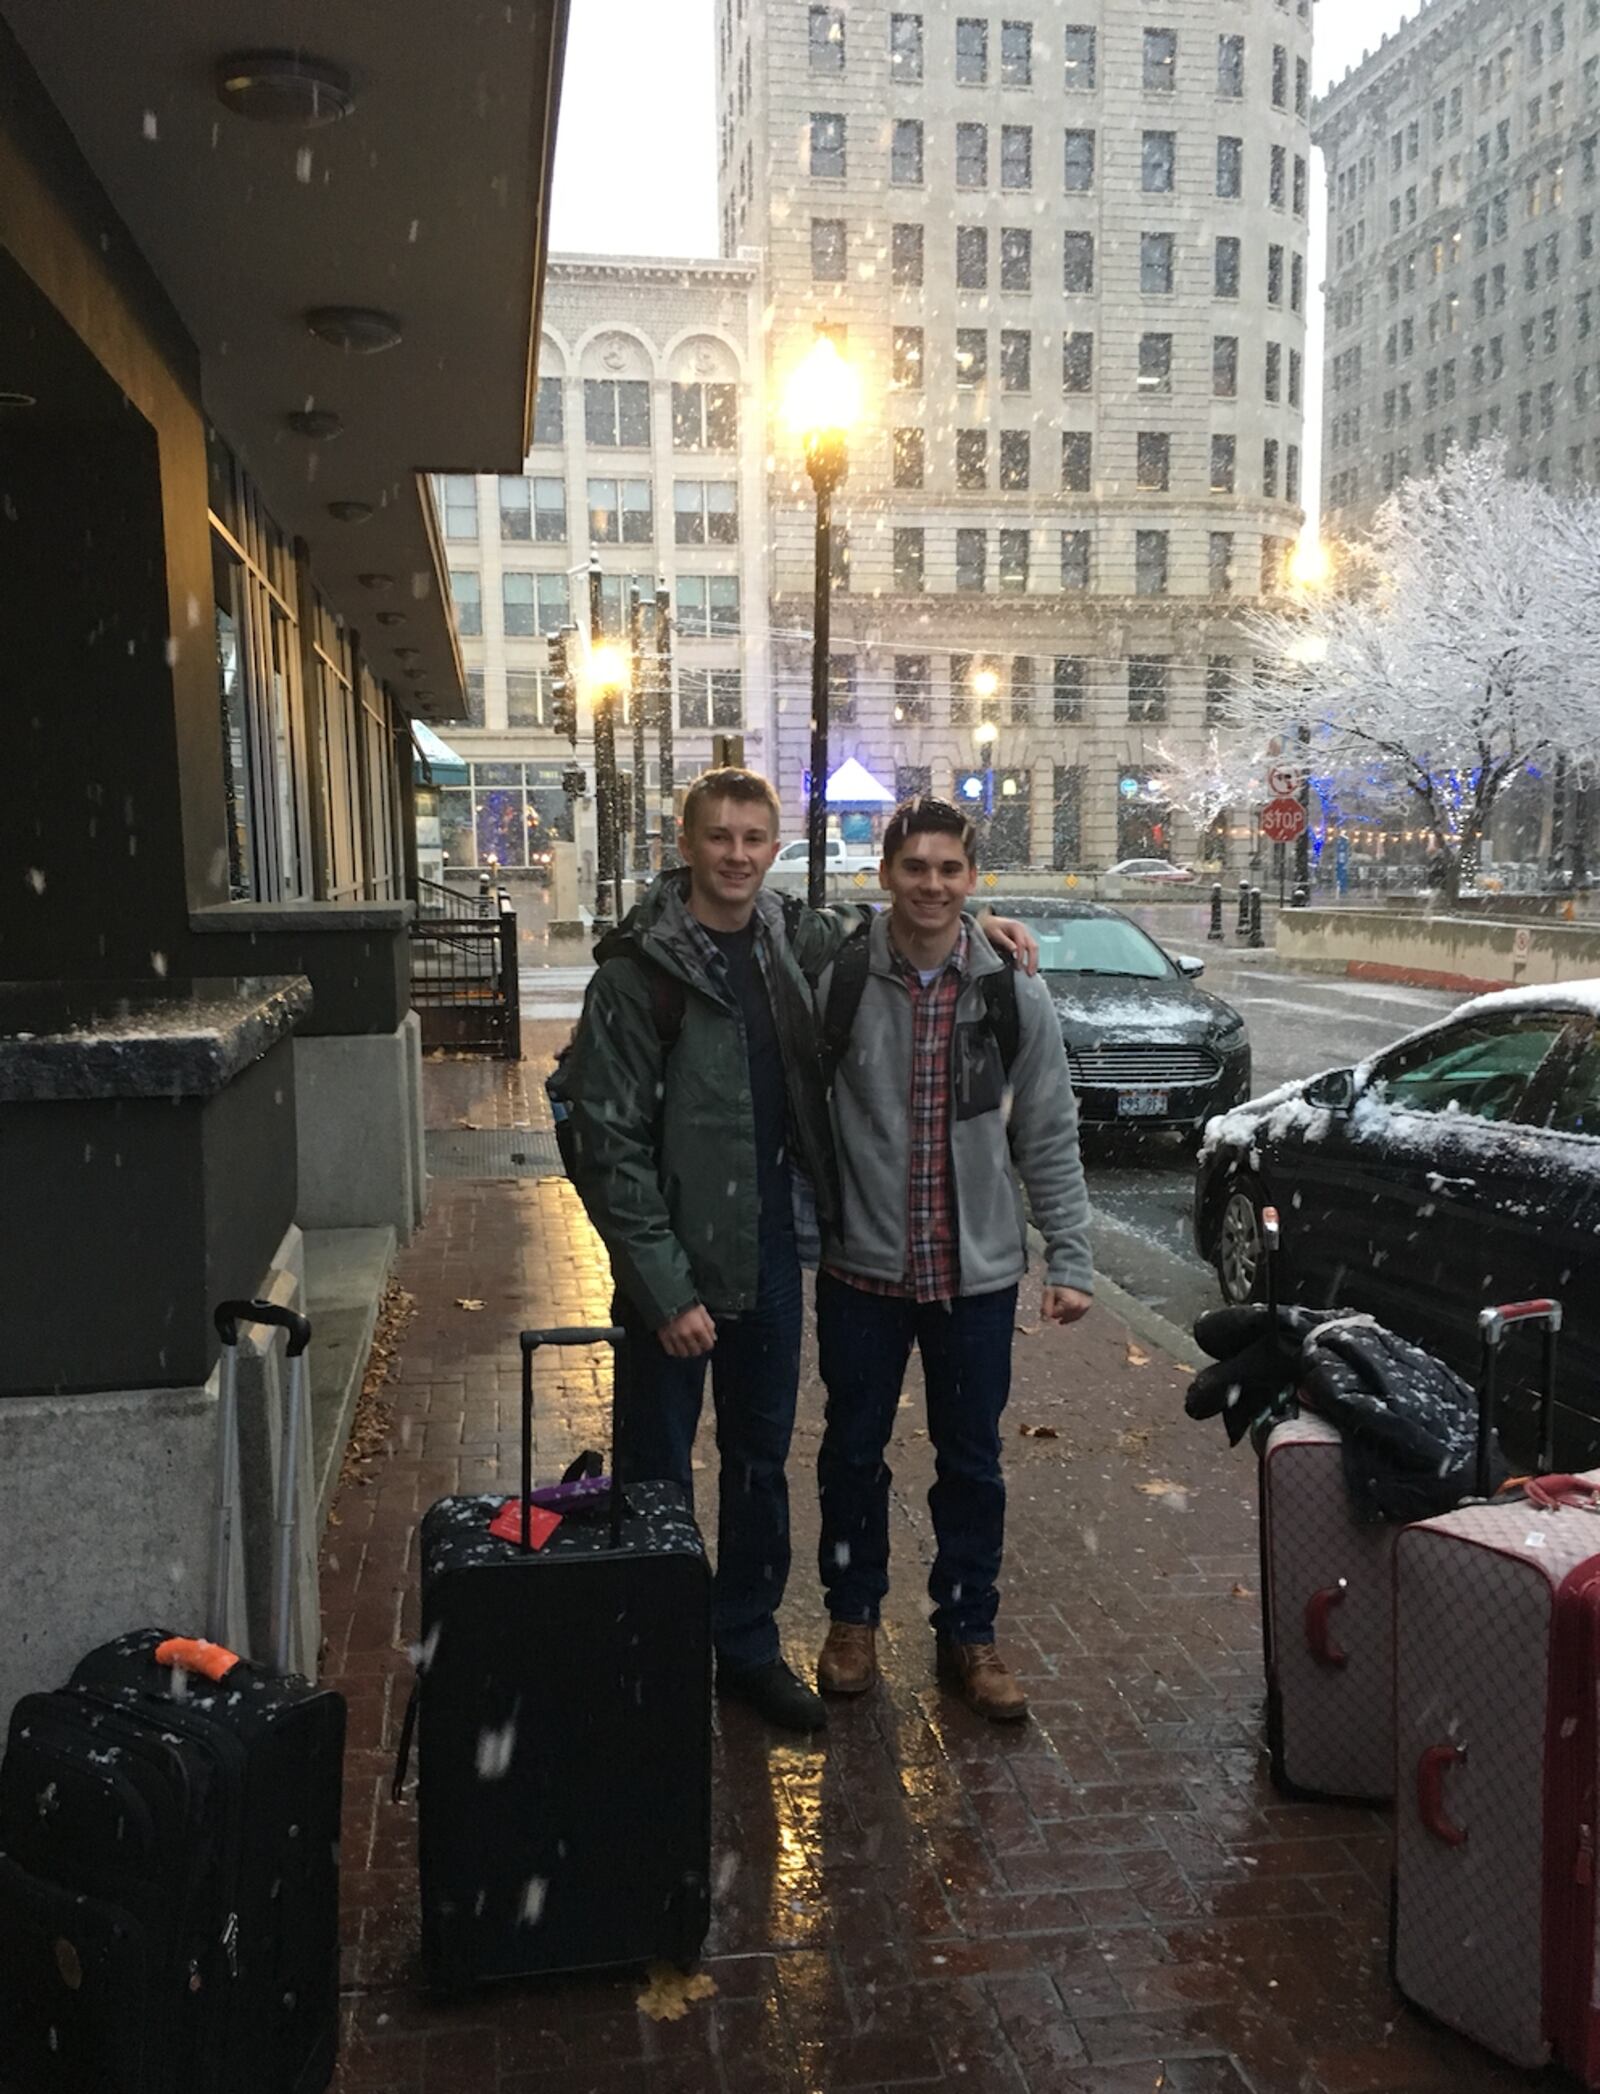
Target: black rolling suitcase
x: 169, y: 1872
x: 563, y: 1715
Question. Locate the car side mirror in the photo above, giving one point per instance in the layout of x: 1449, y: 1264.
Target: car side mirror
x: 1189, y: 964
x: 1334, y: 1090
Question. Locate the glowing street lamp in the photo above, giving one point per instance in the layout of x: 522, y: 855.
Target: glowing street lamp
x: 822, y: 403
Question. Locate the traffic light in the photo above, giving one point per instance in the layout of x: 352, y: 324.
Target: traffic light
x: 727, y: 752
x: 563, y: 690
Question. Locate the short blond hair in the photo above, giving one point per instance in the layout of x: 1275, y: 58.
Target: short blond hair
x: 730, y: 783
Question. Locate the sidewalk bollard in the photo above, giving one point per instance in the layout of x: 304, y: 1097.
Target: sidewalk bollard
x: 1256, y: 938
x: 1244, y: 908
x: 1301, y: 897
x: 1214, y: 935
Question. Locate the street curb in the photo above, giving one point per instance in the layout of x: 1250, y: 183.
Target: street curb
x: 1145, y: 1322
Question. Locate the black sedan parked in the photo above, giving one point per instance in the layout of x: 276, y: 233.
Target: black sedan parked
x: 1147, y: 1049
x: 1458, y: 1169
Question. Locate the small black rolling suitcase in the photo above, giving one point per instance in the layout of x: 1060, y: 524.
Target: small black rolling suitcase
x: 563, y: 1714
x: 169, y: 1830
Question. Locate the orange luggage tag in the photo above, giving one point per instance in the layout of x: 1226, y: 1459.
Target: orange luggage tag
x: 507, y: 1523
x: 194, y: 1654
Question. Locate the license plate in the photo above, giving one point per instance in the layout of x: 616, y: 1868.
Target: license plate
x: 1141, y: 1105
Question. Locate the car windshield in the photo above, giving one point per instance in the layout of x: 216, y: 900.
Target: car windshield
x: 1096, y: 945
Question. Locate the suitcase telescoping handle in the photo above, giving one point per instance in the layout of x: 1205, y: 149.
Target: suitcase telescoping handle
x: 230, y: 1315
x: 1494, y: 1326
x: 532, y: 1342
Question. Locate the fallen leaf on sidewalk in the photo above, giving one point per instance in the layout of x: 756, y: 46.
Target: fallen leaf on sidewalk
x: 668, y: 1995
x: 1158, y: 1487
x: 1136, y: 1356
x: 1242, y: 1592
x: 1136, y: 1439
x: 464, y: 1301
x: 1038, y: 1432
x: 1029, y: 1330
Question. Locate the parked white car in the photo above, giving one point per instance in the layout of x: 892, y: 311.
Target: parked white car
x: 1148, y: 869
x: 843, y: 861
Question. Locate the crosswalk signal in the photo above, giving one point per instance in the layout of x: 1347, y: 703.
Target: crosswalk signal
x: 563, y: 691
x: 727, y: 752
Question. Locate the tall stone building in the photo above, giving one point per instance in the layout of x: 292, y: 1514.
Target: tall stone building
x: 648, y: 456
x: 1463, y: 160
x: 1066, y: 248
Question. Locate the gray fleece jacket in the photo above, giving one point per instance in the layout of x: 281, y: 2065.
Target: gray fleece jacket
x: 990, y: 1150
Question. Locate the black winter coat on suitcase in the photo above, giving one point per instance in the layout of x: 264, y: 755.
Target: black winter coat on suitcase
x: 564, y: 1737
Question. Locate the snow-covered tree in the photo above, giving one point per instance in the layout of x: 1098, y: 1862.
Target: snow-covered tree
x: 1459, y: 652
x: 1225, y: 772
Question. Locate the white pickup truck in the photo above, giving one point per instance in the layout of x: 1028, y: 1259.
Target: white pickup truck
x: 793, y: 863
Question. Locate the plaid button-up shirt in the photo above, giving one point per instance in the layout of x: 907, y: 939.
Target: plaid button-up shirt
x: 932, y: 1248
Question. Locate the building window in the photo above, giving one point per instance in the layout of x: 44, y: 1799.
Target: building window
x: 972, y: 156
x: 1075, y: 562
x: 616, y: 413
x: 1016, y: 259
x: 971, y: 561
x: 549, y: 416
x: 466, y: 593
x: 1230, y: 67
x: 905, y: 152
x: 1223, y: 464
x: 1077, y: 362
x: 972, y: 357
x: 908, y: 567
x: 1226, y: 267
x: 708, y: 605
x: 1155, y: 363
x: 1297, y: 284
x: 839, y: 560
x: 710, y: 698
x: 1015, y: 451
x: 1014, y: 562
x: 531, y: 604
x: 1224, y: 367
x: 619, y: 512
x: 1299, y: 185
x: 1078, y: 47
x: 550, y: 511
x: 1078, y: 174
x: 906, y: 359
x: 1154, y: 461
x: 1219, y: 690
x: 842, y: 687
x: 972, y: 51
x: 617, y: 592
x: 1160, y: 61
x: 905, y: 246
x: 1021, y: 689
x: 1278, y: 177
x: 913, y: 687
x: 525, y: 697
x: 1150, y: 563
x: 1016, y: 360
x: 827, y: 143
x: 1274, y: 276
x: 1219, y: 575
x: 1230, y: 167
x: 1016, y: 156
x: 458, y: 504
x: 1147, y: 683
x: 827, y: 251
x: 516, y: 509
x: 1158, y: 162
x: 705, y: 512
x: 972, y: 258
x: 1296, y: 368
x: 1077, y: 461
x: 826, y: 44
x: 905, y: 48
x: 1274, y: 372
x: 1077, y: 262
x: 1291, y: 473
x: 1071, y: 682
x: 1269, y: 467
x: 705, y: 417
x: 909, y: 458
x: 1016, y: 54
x: 1066, y: 817
x: 1155, y: 263
x: 972, y: 459
x: 1280, y: 77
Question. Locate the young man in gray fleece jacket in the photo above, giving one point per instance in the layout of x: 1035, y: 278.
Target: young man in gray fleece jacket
x: 932, y: 1133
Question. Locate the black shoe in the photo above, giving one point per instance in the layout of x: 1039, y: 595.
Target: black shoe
x: 773, y: 1691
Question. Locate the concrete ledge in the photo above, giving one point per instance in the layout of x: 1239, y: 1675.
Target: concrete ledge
x: 359, y: 1107
x: 346, y: 1273
x: 1469, y: 954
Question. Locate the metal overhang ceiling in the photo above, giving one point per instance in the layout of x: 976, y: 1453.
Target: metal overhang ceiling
x: 430, y: 201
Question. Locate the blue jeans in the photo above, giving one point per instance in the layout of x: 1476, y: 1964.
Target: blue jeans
x: 755, y: 1378
x: 864, y: 1342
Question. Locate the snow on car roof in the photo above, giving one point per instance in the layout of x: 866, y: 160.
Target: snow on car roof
x: 1551, y: 996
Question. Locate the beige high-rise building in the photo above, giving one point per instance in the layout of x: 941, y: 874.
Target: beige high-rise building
x: 1066, y: 248
x: 1463, y: 180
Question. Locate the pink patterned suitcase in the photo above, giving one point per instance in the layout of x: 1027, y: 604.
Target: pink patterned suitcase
x: 1328, y: 1622
x: 1497, y: 1668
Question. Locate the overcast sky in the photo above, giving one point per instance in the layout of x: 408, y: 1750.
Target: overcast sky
x: 636, y: 152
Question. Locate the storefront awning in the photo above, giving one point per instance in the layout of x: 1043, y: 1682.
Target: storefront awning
x: 853, y: 785
x: 437, y: 763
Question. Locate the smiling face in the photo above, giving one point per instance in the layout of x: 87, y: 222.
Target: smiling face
x: 728, y: 847
x: 928, y: 880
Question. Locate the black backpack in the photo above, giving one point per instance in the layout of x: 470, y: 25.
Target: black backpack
x: 849, y: 983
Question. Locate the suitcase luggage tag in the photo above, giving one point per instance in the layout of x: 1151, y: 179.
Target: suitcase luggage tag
x: 507, y: 1524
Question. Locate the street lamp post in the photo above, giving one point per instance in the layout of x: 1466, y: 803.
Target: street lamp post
x: 984, y: 735
x: 669, y: 836
x: 1310, y: 574
x: 608, y: 678
x: 822, y: 402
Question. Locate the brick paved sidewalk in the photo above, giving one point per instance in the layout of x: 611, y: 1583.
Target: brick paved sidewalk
x: 1110, y: 1899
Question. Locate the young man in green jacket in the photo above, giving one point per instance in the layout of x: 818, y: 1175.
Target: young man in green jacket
x: 699, y: 1138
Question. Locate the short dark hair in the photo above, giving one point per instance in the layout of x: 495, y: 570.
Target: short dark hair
x: 749, y: 788
x: 925, y: 816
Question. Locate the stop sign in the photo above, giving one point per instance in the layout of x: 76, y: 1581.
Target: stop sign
x: 1282, y: 821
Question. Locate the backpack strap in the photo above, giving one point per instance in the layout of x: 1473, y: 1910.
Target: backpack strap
x: 1005, y: 1021
x: 845, y: 991
x: 668, y: 1001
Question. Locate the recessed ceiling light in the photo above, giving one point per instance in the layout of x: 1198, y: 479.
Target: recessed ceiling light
x: 361, y: 328
x: 376, y: 582
x: 350, y: 512
x: 409, y: 655
x: 391, y: 617
x: 284, y: 87
x: 319, y: 423
x: 10, y: 398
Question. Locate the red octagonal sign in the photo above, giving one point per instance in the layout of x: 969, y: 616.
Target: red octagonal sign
x: 1283, y: 821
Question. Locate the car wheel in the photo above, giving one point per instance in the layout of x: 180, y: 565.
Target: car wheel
x: 1239, y: 1254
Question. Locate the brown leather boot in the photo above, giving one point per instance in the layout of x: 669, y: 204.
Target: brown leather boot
x: 848, y: 1663
x: 983, y: 1679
